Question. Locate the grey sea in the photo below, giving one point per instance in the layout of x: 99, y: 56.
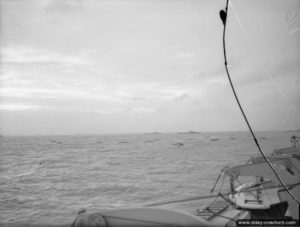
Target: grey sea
x: 47, y: 179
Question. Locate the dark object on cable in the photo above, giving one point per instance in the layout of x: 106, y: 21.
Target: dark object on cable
x: 223, y: 16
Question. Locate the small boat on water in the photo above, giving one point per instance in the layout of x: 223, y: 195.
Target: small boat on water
x: 190, y: 132
x: 213, y: 139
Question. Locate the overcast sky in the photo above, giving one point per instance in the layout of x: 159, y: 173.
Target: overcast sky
x: 118, y: 66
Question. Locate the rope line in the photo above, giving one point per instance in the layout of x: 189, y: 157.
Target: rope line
x: 218, y: 178
x: 242, y: 111
x: 183, y: 200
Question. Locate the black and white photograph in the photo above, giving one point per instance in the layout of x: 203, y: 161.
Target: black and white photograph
x: 128, y: 113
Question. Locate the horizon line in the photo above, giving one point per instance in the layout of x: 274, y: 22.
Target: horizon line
x: 146, y: 132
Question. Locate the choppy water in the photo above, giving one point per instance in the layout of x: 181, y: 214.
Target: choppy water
x: 47, y: 179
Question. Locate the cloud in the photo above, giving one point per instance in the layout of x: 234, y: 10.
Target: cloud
x: 25, y: 54
x: 185, y: 55
x: 17, y: 107
x: 48, y: 93
x: 181, y: 97
x: 29, y: 72
x: 138, y: 110
x: 64, y: 6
